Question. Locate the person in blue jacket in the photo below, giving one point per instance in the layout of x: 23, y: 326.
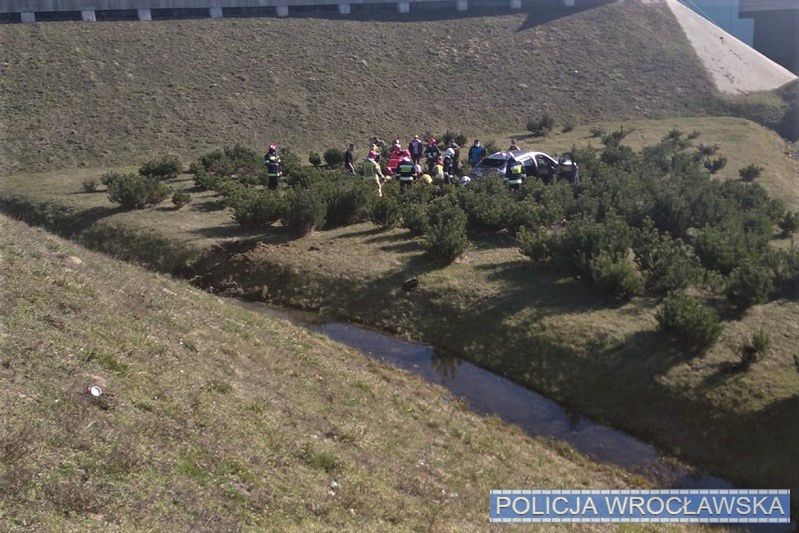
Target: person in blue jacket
x: 476, y: 153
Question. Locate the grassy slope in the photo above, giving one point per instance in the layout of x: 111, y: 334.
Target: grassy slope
x: 77, y: 94
x: 556, y: 336
x: 217, y: 417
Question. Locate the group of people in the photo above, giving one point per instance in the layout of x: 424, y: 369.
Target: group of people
x: 404, y: 163
x: 442, y: 161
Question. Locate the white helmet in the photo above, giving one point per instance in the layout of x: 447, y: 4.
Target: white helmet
x: 465, y: 180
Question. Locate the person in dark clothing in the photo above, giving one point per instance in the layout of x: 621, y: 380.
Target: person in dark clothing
x: 431, y: 154
x: 405, y: 172
x: 349, y: 159
x: 476, y: 153
x: 415, y: 148
x: 273, y: 168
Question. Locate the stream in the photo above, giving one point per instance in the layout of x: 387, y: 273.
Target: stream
x: 487, y: 393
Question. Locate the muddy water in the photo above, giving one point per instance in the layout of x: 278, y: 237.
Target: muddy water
x: 489, y: 394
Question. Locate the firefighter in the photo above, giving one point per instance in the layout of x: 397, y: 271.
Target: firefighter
x: 274, y: 168
x: 371, y: 172
x: 405, y: 172
x: 514, y: 174
x: 431, y: 154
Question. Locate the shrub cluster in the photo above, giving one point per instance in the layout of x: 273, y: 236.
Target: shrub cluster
x: 162, y: 168
x: 688, y: 319
x: 445, y: 235
x: 133, y: 191
x: 541, y: 125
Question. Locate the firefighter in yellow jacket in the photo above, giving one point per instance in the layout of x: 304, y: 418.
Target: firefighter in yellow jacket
x: 372, y: 172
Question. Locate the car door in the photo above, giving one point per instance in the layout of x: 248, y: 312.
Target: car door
x: 545, y: 166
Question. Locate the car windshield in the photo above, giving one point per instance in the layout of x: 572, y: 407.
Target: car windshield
x: 492, y: 162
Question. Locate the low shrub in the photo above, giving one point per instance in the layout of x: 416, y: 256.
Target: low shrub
x: 109, y: 177
x: 386, y: 212
x: 597, y: 132
x: 669, y: 264
x: 689, y: 320
x: 445, y: 238
x: 486, y: 206
x: 616, y: 277
x: 454, y: 136
x: 181, y: 198
x: 204, y: 180
x: 133, y: 191
x: 714, y: 165
x: 315, y: 159
x: 569, y: 124
x: 334, y: 157
x: 491, y: 147
x: 789, y: 223
x: 706, y: 150
x: 256, y: 209
x: 750, y: 172
x: 348, y: 200
x: 162, y: 168
x: 537, y: 245
x: 522, y: 214
x: 614, y: 138
x: 305, y: 211
x: 749, y: 284
x: 541, y: 125
x: 90, y: 184
x: 414, y: 218
x: 756, y: 349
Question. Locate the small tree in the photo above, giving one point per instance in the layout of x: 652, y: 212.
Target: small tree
x: 256, y: 209
x: 789, y: 223
x: 90, y: 184
x: 445, y: 238
x: 689, y: 320
x: 414, y: 217
x: 386, y: 212
x: 706, y: 150
x: 714, y: 165
x: 598, y: 132
x: 542, y: 125
x: 181, y: 198
x: 749, y: 284
x: 162, y: 168
x: 750, y: 172
x: 133, y: 191
x: 756, y: 349
x: 305, y: 211
x: 314, y: 159
x: 334, y: 157
x: 569, y: 124
x: 616, y: 277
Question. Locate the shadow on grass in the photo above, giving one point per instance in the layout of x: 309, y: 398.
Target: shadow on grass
x: 208, y: 206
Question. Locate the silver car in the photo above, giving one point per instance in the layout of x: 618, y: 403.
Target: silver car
x: 536, y: 165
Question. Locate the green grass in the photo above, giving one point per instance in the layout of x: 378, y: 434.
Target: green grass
x: 217, y: 417
x: 78, y: 95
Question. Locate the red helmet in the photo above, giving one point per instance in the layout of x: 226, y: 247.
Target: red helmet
x: 433, y: 140
x: 273, y: 147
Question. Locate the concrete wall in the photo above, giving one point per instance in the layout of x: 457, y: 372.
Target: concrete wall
x: 18, y: 6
